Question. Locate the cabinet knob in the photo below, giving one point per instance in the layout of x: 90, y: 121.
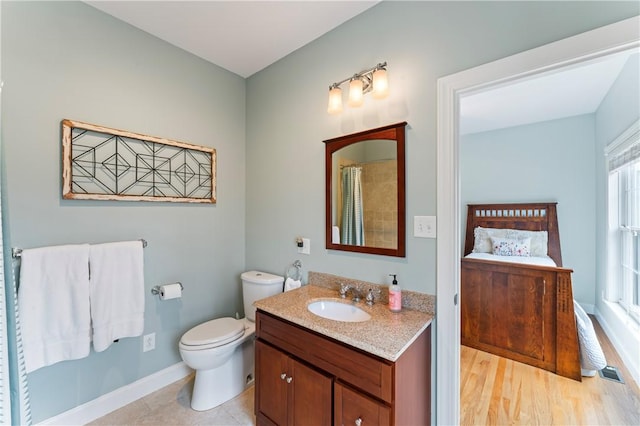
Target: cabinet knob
x: 358, y: 421
x: 283, y: 376
x: 289, y: 379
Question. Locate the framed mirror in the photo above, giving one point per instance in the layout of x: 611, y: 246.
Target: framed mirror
x: 365, y: 191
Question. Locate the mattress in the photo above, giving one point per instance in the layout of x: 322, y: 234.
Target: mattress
x: 523, y: 260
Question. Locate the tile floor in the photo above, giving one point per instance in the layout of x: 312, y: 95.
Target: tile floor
x: 170, y: 406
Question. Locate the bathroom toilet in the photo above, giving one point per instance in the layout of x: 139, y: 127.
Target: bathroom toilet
x: 221, y: 351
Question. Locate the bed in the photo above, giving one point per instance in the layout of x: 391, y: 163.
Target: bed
x: 521, y: 311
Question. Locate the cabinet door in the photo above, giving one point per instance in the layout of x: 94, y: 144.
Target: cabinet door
x: 310, y: 396
x: 288, y: 392
x: 354, y: 409
x: 271, y: 385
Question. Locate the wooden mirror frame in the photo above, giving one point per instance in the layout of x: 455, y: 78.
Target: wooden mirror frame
x: 394, y: 132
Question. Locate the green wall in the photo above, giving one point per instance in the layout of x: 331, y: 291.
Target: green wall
x: 548, y: 161
x: 69, y: 60
x: 421, y: 41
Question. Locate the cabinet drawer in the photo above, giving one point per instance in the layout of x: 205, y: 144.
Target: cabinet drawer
x: 353, y: 409
x: 369, y: 374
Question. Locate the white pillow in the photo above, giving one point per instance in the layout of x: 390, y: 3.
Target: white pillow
x: 482, y: 239
x: 539, y: 240
x: 511, y: 246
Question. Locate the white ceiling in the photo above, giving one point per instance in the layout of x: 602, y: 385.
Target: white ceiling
x: 246, y: 36
x: 558, y: 94
x: 240, y: 36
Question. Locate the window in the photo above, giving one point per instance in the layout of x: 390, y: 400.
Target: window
x: 623, y: 280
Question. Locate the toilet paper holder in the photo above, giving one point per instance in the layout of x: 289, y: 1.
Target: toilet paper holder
x: 156, y: 290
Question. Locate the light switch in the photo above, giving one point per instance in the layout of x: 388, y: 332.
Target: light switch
x: 424, y: 226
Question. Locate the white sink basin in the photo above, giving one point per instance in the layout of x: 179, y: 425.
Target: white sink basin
x: 338, y: 311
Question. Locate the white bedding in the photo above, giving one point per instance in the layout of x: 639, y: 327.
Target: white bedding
x: 539, y: 261
x: 591, y: 355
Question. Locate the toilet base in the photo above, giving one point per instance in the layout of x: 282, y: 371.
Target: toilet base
x: 218, y: 385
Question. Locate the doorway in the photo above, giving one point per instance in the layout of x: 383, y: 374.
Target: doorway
x: 589, y: 46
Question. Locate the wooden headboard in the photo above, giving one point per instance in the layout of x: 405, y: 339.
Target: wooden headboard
x: 523, y: 216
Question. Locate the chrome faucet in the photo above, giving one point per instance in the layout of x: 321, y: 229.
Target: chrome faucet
x: 371, y: 296
x: 357, y: 294
x: 355, y: 291
x: 344, y: 288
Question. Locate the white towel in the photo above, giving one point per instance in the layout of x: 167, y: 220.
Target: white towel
x: 117, y: 292
x: 291, y: 284
x: 335, y: 235
x: 53, y: 299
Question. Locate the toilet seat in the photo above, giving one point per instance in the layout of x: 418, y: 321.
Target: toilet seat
x: 213, y: 333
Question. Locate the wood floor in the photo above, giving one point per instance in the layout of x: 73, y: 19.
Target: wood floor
x: 498, y: 391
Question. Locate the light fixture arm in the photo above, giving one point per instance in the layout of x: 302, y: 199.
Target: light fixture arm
x: 366, y: 76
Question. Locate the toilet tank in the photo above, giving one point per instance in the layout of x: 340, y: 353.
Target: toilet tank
x: 258, y: 285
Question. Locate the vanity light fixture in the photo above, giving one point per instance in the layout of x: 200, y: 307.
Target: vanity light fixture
x: 372, y: 80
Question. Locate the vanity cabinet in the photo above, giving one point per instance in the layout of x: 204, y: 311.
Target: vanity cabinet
x: 338, y: 384
x: 291, y: 393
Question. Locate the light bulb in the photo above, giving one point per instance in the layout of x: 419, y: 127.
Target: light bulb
x: 356, y: 97
x: 380, y: 84
x: 335, y: 101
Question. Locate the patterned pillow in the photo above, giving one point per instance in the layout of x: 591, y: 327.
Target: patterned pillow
x: 511, y: 247
x: 482, y: 239
x: 539, y: 240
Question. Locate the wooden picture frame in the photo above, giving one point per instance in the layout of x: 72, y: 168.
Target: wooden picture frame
x: 100, y: 163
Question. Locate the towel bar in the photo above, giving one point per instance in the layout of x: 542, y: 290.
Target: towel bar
x: 17, y: 252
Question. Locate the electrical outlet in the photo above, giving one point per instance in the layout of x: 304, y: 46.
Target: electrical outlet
x: 148, y: 342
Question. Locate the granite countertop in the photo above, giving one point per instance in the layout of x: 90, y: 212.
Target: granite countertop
x: 387, y: 334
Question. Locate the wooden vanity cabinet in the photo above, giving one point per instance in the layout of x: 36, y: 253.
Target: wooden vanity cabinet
x: 338, y: 384
x: 291, y: 393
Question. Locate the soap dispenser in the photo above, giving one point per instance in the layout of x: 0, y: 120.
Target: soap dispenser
x: 395, y: 295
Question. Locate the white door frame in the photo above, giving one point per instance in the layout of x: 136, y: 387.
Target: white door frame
x: 589, y: 46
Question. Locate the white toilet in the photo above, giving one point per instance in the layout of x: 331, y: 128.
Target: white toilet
x: 221, y: 350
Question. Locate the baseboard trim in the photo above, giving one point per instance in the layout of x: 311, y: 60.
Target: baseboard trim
x: 120, y: 397
x: 614, y: 338
x: 588, y: 308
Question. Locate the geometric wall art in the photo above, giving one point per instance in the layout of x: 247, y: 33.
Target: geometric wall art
x: 100, y: 163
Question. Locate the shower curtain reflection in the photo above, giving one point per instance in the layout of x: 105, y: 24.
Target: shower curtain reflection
x: 352, y: 226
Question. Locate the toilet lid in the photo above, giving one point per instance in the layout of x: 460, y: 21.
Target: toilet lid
x: 218, y: 331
